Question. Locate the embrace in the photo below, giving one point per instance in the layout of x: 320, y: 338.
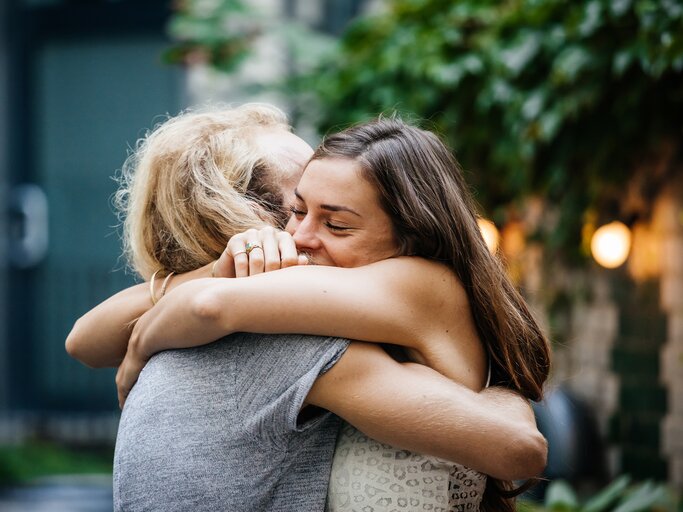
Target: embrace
x: 320, y: 330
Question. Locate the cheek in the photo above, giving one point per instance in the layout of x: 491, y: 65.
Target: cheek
x: 385, y: 241
x: 342, y: 252
x: 353, y: 252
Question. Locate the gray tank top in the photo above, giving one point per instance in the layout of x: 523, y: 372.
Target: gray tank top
x: 217, y: 428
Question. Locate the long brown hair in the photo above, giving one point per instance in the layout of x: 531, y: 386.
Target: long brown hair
x: 423, y: 190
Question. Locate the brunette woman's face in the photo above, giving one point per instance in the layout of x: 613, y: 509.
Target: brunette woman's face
x: 337, y: 218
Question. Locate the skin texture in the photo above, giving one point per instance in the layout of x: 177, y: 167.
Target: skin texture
x: 337, y: 218
x: 406, y: 405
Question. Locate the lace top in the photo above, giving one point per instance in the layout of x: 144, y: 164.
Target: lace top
x: 368, y: 476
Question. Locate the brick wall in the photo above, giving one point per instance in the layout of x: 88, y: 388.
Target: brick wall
x: 669, y: 222
x: 635, y: 425
x: 624, y: 354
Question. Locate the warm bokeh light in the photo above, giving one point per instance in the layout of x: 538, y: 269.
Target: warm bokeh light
x: 513, y: 239
x: 645, y: 259
x: 610, y: 244
x: 490, y: 233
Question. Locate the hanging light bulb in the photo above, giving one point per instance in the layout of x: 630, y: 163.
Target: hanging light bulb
x: 490, y: 233
x: 611, y: 244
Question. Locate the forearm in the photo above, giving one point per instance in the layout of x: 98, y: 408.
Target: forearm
x: 178, y: 321
x: 305, y: 300
x: 203, y: 311
x: 100, y: 337
x: 413, y: 407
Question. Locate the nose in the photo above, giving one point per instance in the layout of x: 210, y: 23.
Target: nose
x: 305, y: 234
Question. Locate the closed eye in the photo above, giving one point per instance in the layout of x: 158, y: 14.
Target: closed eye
x: 334, y: 227
x: 296, y: 212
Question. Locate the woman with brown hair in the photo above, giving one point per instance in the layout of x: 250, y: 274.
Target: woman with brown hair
x: 386, y: 203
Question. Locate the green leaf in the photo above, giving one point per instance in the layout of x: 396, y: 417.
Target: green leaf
x: 549, y: 123
x: 592, y: 18
x: 533, y: 105
x: 569, y: 63
x: 607, y: 496
x: 619, y: 7
x: 560, y: 496
x: 642, y: 498
x: 517, y: 57
x: 622, y: 60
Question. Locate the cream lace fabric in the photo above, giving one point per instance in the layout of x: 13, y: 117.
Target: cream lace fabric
x: 368, y: 476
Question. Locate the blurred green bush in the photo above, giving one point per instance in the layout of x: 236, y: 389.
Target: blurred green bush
x: 23, y: 463
x: 619, y: 496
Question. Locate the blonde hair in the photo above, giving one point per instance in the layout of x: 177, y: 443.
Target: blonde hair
x: 193, y: 182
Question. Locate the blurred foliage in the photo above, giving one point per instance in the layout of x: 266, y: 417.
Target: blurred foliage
x: 23, y: 463
x: 225, y: 33
x: 220, y: 32
x: 616, y: 497
x: 561, y: 100
x: 547, y: 98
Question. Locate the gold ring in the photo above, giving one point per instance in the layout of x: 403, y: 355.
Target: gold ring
x: 250, y: 247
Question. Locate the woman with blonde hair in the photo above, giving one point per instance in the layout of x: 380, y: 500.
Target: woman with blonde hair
x: 197, y: 180
x: 401, y: 301
x: 191, y: 184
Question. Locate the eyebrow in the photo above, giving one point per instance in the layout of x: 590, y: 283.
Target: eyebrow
x: 330, y: 207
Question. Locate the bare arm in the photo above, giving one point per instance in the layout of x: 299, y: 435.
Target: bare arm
x: 100, y: 337
x: 413, y: 407
x: 396, y: 301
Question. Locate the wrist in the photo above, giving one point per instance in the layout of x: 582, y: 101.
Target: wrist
x: 137, y: 346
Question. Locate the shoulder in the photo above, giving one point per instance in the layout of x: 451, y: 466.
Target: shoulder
x: 415, y: 267
x: 422, y: 281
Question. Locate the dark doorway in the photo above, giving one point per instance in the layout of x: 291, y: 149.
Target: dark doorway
x: 86, y: 81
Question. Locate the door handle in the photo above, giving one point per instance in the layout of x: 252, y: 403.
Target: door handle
x: 28, y: 225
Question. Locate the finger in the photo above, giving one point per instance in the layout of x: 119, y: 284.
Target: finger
x: 271, y: 249
x: 224, y: 266
x: 119, y: 389
x: 129, y: 379
x: 255, y: 253
x: 288, y: 253
x: 304, y: 259
x: 238, y: 252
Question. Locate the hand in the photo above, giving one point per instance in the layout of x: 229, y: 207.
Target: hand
x: 130, y: 368
x: 271, y: 249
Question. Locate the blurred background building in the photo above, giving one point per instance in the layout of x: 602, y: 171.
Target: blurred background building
x: 83, y: 81
x: 569, y: 111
